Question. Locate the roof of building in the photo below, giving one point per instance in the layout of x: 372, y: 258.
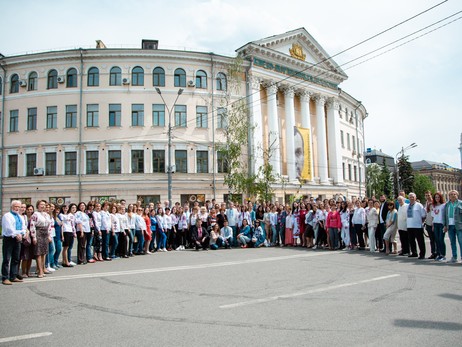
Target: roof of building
x: 376, y: 152
x: 431, y: 165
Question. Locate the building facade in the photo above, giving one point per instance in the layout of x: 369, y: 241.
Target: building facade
x: 87, y: 124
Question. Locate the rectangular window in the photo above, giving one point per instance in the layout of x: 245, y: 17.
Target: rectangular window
x: 50, y: 164
x: 115, y: 162
x: 137, y: 161
x: 222, y: 163
x: 201, y: 116
x: 92, y: 115
x: 137, y: 115
x: 181, y: 161
x: 180, y: 116
x: 349, y: 172
x: 158, y: 161
x: 342, y: 141
x: 354, y: 144
x: 71, y: 116
x: 348, y: 142
x: 31, y: 163
x: 13, y: 165
x: 355, y: 171
x: 92, y: 162
x: 52, y: 117
x: 70, y: 163
x: 115, y: 115
x: 32, y: 118
x: 14, y: 121
x: 222, y: 118
x: 343, y: 170
x: 202, y: 161
x: 158, y: 115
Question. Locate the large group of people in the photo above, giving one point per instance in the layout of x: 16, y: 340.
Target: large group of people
x: 99, y: 232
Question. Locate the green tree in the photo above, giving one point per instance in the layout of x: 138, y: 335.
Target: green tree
x: 405, y: 174
x: 386, y: 178
x: 266, y: 178
x: 421, y: 185
x: 374, y: 180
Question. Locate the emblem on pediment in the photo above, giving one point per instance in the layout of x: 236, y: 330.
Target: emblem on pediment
x: 297, y: 52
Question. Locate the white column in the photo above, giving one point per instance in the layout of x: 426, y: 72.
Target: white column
x: 306, y: 122
x: 256, y: 121
x: 321, y: 136
x: 273, y: 125
x: 333, y: 128
x: 290, y: 124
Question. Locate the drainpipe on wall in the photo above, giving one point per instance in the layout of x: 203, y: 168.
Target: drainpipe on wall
x: 80, y: 161
x: 213, y: 130
x: 3, y: 137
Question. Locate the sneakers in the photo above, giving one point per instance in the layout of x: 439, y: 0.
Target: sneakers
x: 164, y: 249
x: 452, y: 260
x: 442, y: 259
x: 72, y: 263
x: 50, y: 269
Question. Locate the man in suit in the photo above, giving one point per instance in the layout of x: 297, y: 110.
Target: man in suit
x: 382, y: 219
x: 201, y: 237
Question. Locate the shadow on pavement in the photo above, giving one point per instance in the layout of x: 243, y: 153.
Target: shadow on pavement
x: 427, y: 324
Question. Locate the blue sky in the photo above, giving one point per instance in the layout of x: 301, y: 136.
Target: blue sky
x: 411, y: 93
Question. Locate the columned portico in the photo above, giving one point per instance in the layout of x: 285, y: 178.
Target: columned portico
x: 273, y: 126
x: 290, y: 124
x: 335, y: 160
x: 306, y: 119
x: 256, y: 122
x: 321, y: 136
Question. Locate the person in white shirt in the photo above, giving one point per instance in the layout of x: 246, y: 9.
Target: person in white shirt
x: 402, y: 226
x: 415, y: 217
x: 359, y: 223
x: 438, y: 226
x: 105, y: 230
x: 13, y: 230
x: 232, y: 216
x: 372, y: 222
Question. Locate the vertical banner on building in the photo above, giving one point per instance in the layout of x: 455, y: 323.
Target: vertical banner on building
x: 302, y: 153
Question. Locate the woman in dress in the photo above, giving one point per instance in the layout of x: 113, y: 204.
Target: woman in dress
x: 147, y: 232
x: 40, y: 228
x: 392, y: 227
x: 27, y: 248
x: 301, y: 218
x: 345, y: 218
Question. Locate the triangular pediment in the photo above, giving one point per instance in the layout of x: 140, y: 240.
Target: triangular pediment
x: 300, y: 47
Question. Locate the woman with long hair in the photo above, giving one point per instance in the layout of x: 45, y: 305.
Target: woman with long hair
x: 115, y: 230
x: 82, y: 226
x: 69, y: 232
x: 27, y: 248
x: 131, y: 217
x: 438, y: 225
x: 58, y: 239
x: 40, y: 228
x: 98, y: 236
x: 147, y: 231
x: 345, y: 218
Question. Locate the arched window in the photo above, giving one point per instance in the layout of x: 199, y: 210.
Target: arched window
x: 14, y: 84
x: 201, y: 79
x: 32, y: 81
x: 71, y: 78
x: 93, y: 77
x: 138, y: 76
x: 158, y: 77
x: 221, y: 81
x: 52, y: 81
x: 115, y: 76
x: 180, y: 78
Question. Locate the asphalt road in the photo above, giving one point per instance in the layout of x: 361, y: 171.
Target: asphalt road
x: 239, y: 297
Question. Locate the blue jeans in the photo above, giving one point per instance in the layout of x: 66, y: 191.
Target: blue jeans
x: 106, y: 235
x: 114, y: 244
x: 11, y: 250
x: 140, y: 245
x: 162, y: 239
x: 439, y: 238
x: 234, y: 236
x: 58, y: 247
x: 131, y: 239
x: 453, y: 234
x: 49, y: 258
x: 244, y: 240
x: 274, y: 234
x: 88, y: 245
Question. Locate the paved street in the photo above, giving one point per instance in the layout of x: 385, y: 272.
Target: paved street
x: 258, y: 297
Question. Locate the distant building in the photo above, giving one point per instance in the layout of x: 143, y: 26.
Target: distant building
x: 444, y: 177
x: 377, y: 156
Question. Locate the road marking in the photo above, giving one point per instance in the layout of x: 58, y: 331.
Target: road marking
x: 24, y: 337
x: 312, y: 291
x: 174, y: 268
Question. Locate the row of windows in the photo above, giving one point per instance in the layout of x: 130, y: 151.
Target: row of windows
x: 115, y: 79
x: 352, y: 174
x: 115, y: 162
x: 356, y: 142
x: 115, y: 116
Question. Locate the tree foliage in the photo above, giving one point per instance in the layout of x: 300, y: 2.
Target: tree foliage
x: 266, y: 178
x: 386, y: 178
x: 405, y: 174
x: 374, y: 180
x: 421, y: 184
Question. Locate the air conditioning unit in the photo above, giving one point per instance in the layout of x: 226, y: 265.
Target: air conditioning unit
x: 61, y: 79
x: 23, y: 83
x: 126, y: 81
x: 191, y: 83
x: 39, y: 171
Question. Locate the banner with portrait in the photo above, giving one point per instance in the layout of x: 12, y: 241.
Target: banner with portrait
x: 302, y: 153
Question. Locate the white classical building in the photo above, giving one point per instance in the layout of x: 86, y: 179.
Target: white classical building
x: 82, y: 124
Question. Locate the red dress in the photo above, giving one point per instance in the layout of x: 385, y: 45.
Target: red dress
x: 302, y: 222
x: 148, y: 232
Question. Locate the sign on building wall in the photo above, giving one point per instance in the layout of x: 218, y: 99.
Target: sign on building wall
x: 302, y: 153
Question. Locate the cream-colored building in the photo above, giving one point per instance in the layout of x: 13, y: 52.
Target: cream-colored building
x: 85, y: 123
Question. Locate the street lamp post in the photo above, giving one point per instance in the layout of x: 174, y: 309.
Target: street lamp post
x: 169, y: 163
x: 403, y: 149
